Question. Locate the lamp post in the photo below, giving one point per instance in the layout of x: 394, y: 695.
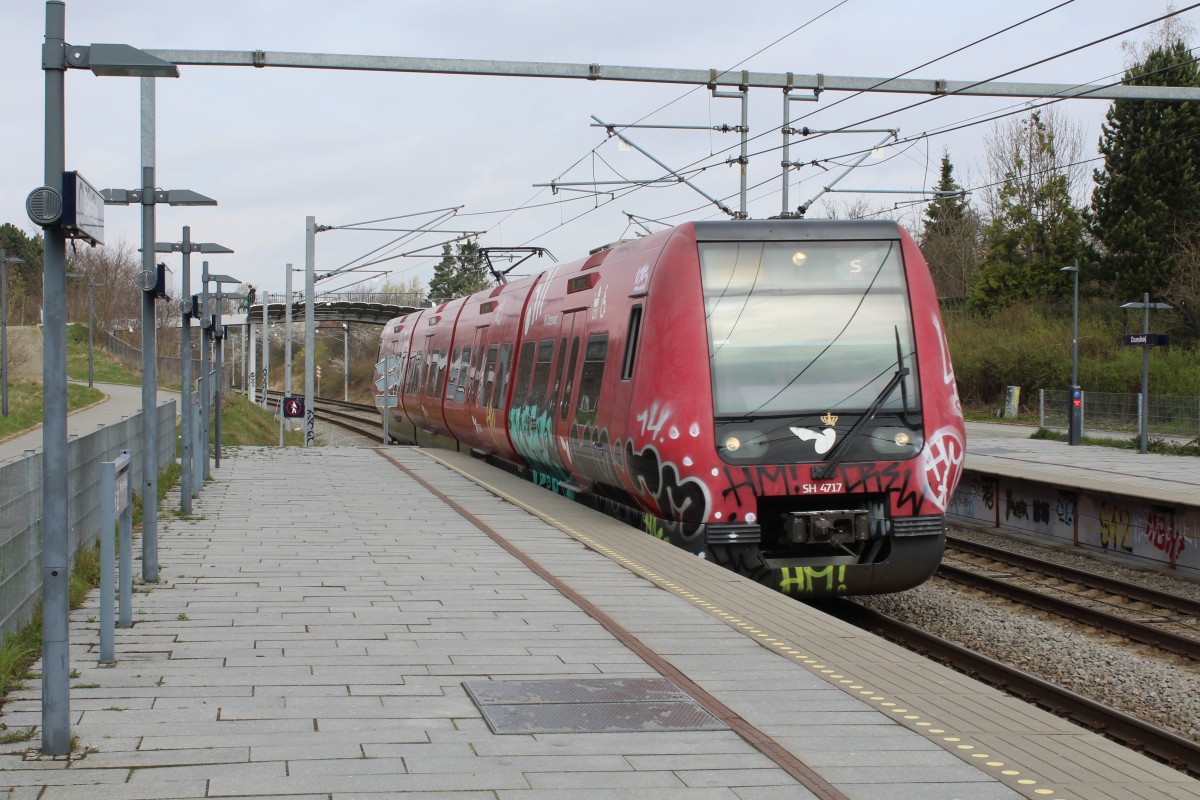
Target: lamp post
x: 91, y: 334
x: 1145, y: 340
x: 57, y: 57
x: 186, y: 247
x: 91, y: 339
x: 148, y: 282
x: 219, y: 332
x: 1075, y: 399
x: 5, y: 260
x: 345, y: 362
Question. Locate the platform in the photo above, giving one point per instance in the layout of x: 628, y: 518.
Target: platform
x: 1007, y: 450
x: 320, y: 614
x: 1143, y: 508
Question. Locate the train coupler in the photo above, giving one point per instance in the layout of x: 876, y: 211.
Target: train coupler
x: 827, y: 527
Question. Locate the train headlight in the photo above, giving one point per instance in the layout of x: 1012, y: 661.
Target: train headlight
x: 896, y: 442
x: 799, y: 257
x: 741, y: 445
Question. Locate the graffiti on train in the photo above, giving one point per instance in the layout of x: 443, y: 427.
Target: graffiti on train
x: 806, y: 580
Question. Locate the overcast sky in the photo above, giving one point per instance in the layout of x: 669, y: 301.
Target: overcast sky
x: 274, y: 146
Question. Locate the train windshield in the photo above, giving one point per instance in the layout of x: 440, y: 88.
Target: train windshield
x: 806, y: 327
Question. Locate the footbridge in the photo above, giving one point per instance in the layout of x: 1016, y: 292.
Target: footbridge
x: 331, y: 311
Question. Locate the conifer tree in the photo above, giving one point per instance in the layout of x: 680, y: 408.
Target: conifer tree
x: 950, y: 237
x: 462, y: 271
x: 1147, y: 195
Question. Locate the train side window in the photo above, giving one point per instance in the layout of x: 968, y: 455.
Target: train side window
x: 566, y: 399
x: 433, y: 373
x: 631, y: 342
x: 414, y: 374
x: 461, y: 389
x: 541, y: 374
x: 455, y: 360
x: 590, y: 380
x: 558, y: 375
x: 502, y: 372
x: 474, y: 376
x: 489, y: 375
x: 524, y: 374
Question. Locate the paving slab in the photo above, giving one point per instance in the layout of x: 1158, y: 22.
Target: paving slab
x: 317, y: 619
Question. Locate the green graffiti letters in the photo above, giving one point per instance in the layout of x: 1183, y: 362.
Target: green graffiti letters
x: 805, y: 580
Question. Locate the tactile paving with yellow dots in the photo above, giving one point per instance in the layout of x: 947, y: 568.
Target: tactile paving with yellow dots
x: 863, y: 713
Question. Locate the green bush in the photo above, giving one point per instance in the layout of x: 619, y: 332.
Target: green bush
x: 1030, y: 347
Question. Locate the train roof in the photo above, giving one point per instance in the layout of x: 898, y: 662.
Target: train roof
x: 793, y: 229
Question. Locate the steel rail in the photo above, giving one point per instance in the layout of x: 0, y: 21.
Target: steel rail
x: 347, y: 421
x: 1137, y: 631
x: 1184, y: 605
x: 1137, y: 734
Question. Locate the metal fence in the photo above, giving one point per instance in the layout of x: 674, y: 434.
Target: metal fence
x: 170, y: 368
x: 21, y: 506
x: 1170, y: 415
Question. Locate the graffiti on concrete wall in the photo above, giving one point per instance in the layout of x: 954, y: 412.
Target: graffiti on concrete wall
x: 975, y: 500
x: 1114, y: 527
x: 1122, y: 526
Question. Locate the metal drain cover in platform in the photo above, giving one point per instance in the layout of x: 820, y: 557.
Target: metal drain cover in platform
x: 589, y: 705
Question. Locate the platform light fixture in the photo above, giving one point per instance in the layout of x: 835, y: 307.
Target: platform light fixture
x: 186, y: 247
x: 57, y: 58
x: 1075, y: 395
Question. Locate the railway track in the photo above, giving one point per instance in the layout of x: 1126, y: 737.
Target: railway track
x: 353, y: 417
x: 1143, y: 615
x: 1137, y: 734
x: 1081, y: 596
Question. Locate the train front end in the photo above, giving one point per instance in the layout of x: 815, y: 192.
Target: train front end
x: 838, y: 436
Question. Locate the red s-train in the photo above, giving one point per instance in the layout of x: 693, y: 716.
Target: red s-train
x: 775, y: 396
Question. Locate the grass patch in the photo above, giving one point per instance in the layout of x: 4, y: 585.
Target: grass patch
x: 23, y: 647
x: 245, y: 424
x: 1153, y: 445
x: 16, y: 735
x: 25, y: 404
x: 105, y: 368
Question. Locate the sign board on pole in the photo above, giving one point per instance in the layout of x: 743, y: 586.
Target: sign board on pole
x: 1146, y: 339
x: 83, y: 209
x: 293, y: 407
x: 386, y: 382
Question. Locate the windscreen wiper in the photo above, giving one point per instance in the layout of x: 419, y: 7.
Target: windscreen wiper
x: 825, y: 470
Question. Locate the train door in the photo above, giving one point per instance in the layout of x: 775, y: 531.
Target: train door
x: 431, y: 410
x: 496, y: 371
x: 589, y: 438
x: 474, y: 367
x: 570, y: 331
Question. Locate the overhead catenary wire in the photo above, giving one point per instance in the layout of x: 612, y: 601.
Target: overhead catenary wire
x: 959, y: 91
x: 776, y: 128
x: 758, y: 52
x: 573, y: 218
x: 972, y: 121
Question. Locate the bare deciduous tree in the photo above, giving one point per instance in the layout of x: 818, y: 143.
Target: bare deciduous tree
x: 1016, y: 158
x: 114, y: 268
